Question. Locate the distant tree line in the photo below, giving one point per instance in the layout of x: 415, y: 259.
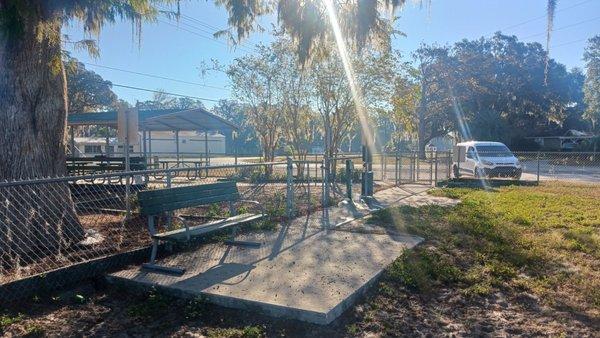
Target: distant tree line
x: 495, y: 88
x: 488, y: 89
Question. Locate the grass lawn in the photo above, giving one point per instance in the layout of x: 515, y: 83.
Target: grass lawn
x: 525, y: 255
x: 516, y: 260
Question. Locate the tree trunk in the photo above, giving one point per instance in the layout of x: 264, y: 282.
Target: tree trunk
x: 40, y: 219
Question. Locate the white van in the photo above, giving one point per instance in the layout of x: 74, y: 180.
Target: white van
x: 485, y: 159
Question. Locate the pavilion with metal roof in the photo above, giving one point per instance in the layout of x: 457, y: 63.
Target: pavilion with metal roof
x: 176, y: 120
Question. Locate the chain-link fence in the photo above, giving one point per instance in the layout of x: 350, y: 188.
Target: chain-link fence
x: 56, y: 231
x: 431, y: 167
x: 528, y: 166
x: 90, y: 224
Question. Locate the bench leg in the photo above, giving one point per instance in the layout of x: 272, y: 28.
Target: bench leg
x: 160, y: 268
x: 165, y: 269
x: 154, y: 251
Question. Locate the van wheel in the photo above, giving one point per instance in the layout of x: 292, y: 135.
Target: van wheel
x: 455, y: 170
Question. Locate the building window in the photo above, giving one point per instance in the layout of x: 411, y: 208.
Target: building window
x: 121, y: 148
x: 92, y: 149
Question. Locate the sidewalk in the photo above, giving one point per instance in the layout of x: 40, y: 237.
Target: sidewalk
x: 306, y: 270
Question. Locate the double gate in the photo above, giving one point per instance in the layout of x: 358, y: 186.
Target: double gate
x: 412, y: 167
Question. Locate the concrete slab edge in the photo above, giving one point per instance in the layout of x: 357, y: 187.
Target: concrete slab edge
x: 269, y: 309
x: 341, y: 307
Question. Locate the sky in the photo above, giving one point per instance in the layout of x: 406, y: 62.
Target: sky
x: 178, y: 49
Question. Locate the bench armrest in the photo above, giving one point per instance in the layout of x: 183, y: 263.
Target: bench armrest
x: 260, y: 206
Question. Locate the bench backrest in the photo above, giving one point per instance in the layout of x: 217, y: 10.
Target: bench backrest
x: 153, y: 202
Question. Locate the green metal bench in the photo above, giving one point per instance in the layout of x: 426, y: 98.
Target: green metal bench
x: 159, y: 202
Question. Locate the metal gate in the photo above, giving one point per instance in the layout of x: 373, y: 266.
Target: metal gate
x: 412, y: 168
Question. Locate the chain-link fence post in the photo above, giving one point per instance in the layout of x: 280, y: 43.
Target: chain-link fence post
x: 458, y: 156
x: 325, y: 183
x: 382, y: 161
x: 538, y: 169
x: 431, y: 167
x: 308, y: 187
x: 168, y: 177
x: 349, y: 166
x: 417, y: 165
x: 449, y: 159
x: 436, y: 167
x: 397, y: 169
x: 290, y: 188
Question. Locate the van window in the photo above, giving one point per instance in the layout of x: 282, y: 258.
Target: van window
x: 494, y: 151
x: 471, y: 153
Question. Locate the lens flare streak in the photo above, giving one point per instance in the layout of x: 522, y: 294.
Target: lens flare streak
x: 357, y: 94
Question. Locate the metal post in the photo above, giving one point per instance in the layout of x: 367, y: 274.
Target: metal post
x: 235, y: 148
x: 412, y: 167
x: 149, y: 144
x: 458, y: 162
x: 127, y: 166
x: 177, y: 146
x: 349, y: 166
x: 367, y: 175
x: 206, y: 158
x: 145, y: 150
x: 436, y: 167
x: 169, y: 215
x: 308, y: 184
x: 72, y: 132
x: 538, y: 168
x: 396, y: 169
x: 449, y: 159
x: 382, y: 170
x: 290, y: 188
x: 384, y: 166
x: 325, y: 184
x: 418, y: 165
x: 107, y: 141
x: 399, y: 159
x: 430, y: 167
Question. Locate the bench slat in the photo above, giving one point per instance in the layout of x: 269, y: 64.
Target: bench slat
x: 180, y: 235
x: 178, y: 195
x: 154, y: 202
x: 197, y: 188
x: 167, y: 206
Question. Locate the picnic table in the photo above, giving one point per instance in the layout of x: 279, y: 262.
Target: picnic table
x: 77, y: 166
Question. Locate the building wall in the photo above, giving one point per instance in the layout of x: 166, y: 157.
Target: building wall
x: 162, y: 143
x: 189, y: 142
x: 442, y: 143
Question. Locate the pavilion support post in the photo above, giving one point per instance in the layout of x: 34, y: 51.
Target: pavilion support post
x: 127, y: 166
x: 206, y: 147
x: 107, y: 141
x: 149, y: 144
x: 144, y: 147
x: 235, y: 146
x: 177, y: 146
x: 72, y: 131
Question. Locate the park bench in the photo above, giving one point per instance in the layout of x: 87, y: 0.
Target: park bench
x: 154, y: 203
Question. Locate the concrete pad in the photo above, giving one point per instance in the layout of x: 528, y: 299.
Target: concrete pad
x: 305, y: 270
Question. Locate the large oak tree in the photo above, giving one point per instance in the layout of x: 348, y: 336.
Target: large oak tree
x: 40, y: 219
